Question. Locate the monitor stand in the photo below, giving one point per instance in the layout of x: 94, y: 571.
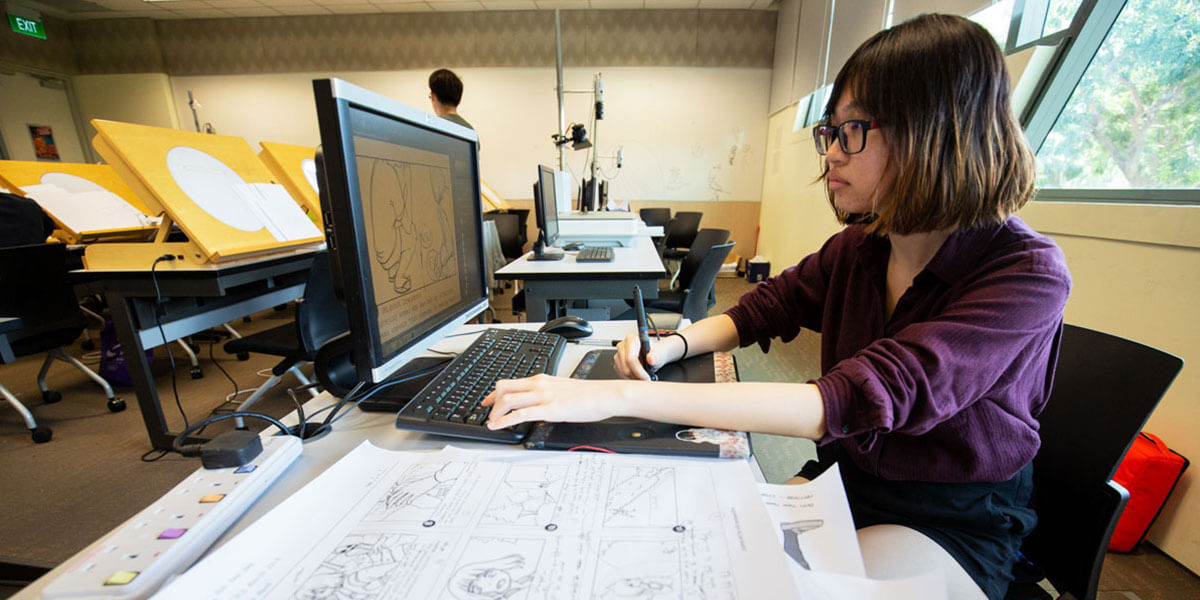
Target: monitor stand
x: 543, y: 252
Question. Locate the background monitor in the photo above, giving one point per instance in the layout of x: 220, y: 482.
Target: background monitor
x: 402, y: 221
x: 547, y: 205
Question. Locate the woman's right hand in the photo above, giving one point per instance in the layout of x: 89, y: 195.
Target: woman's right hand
x: 667, y: 350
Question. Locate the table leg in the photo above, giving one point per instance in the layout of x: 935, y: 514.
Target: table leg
x: 121, y: 308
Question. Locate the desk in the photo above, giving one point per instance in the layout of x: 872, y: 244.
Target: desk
x: 193, y: 300
x: 548, y: 281
x: 356, y: 426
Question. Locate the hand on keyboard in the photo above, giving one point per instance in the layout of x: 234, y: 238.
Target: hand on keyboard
x: 555, y: 399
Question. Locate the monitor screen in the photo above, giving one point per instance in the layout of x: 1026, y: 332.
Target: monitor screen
x: 546, y: 205
x: 402, y: 222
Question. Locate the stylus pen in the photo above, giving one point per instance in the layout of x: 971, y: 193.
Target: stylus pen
x: 606, y: 343
x: 643, y: 333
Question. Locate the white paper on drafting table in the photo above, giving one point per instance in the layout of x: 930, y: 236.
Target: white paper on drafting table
x: 519, y: 526
x: 91, y: 209
x: 277, y: 211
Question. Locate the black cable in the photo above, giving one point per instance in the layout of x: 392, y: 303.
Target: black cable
x: 161, y: 453
x: 194, y: 449
x: 423, y: 372
x: 222, y: 369
x: 158, y: 307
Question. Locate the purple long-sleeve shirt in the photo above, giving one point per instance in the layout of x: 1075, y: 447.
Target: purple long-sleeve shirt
x: 950, y: 387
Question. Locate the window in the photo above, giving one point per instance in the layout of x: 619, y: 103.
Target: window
x: 1133, y: 120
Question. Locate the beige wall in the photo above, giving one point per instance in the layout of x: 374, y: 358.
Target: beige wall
x: 689, y: 134
x: 142, y: 98
x: 1136, y: 272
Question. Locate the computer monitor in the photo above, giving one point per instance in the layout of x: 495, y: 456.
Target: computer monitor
x: 545, y: 208
x: 402, y: 222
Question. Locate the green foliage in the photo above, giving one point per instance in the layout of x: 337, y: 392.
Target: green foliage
x: 1134, y: 119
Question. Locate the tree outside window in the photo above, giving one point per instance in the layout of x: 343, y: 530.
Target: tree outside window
x: 1134, y: 119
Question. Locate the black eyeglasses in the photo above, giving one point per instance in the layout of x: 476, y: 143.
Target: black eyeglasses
x: 852, y: 135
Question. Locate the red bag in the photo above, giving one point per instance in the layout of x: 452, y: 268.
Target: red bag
x: 1149, y: 472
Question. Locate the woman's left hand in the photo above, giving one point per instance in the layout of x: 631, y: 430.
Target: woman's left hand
x: 549, y: 398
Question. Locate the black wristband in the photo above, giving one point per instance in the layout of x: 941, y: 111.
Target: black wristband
x: 685, y: 344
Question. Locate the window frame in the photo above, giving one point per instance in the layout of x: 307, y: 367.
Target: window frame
x: 1076, y: 47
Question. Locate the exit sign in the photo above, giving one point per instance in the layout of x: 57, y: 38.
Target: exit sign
x: 27, y: 26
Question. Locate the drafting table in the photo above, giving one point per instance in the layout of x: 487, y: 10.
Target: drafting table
x: 193, y: 300
x: 548, y: 281
x: 379, y: 428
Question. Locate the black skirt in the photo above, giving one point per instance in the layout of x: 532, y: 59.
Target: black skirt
x: 980, y: 524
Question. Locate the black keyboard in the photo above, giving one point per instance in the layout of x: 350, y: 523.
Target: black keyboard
x: 449, y: 405
x: 595, y: 254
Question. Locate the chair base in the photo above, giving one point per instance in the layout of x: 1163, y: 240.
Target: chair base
x: 49, y: 396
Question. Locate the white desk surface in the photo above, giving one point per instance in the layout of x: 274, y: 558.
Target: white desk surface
x: 640, y: 260
x: 379, y: 429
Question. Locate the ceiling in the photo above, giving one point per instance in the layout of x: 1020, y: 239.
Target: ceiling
x: 218, y: 9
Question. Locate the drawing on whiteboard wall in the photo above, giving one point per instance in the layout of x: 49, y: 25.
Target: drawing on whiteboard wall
x: 409, y: 209
x: 418, y: 493
x: 641, y: 497
x: 528, y: 495
x: 495, y: 569
x: 358, y: 568
x: 642, y: 569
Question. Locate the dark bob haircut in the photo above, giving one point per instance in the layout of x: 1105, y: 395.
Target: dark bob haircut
x: 939, y: 86
x: 446, y: 86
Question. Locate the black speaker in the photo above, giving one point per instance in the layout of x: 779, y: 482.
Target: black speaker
x: 334, y: 366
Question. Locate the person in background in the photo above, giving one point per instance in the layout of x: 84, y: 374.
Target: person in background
x: 940, y: 314
x: 445, y: 93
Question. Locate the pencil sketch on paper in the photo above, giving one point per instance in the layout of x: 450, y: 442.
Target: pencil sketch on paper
x: 416, y: 494
x: 527, y: 495
x: 642, y: 569
x: 358, y: 568
x: 495, y: 569
x: 410, y: 214
x: 641, y: 497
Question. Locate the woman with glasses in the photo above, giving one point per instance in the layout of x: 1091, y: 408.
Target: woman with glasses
x: 939, y: 311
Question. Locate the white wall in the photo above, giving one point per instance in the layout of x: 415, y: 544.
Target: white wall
x: 689, y: 134
x: 26, y: 102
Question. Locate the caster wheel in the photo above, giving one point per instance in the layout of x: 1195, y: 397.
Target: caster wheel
x: 50, y: 397
x: 196, y: 372
x: 41, y: 435
x: 243, y: 356
x: 88, y: 345
x: 116, y: 405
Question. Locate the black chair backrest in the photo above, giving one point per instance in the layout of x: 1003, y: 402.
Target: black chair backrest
x: 509, y: 226
x: 696, y: 299
x: 655, y: 217
x: 1105, y: 387
x: 681, y: 231
x: 705, y: 240
x: 34, y: 287
x: 321, y: 316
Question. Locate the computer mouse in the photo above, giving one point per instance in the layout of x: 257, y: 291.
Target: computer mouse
x: 573, y: 246
x: 568, y: 327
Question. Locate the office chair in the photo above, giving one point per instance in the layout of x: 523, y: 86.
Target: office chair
x: 1105, y: 387
x: 510, y: 224
x: 319, y: 317
x: 34, y: 288
x: 681, y: 232
x: 692, y: 303
x: 704, y: 240
x: 657, y: 217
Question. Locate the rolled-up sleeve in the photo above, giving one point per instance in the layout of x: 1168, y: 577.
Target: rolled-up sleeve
x: 780, y: 306
x: 992, y: 334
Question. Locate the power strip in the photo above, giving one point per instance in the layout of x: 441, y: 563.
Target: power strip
x: 169, y: 535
